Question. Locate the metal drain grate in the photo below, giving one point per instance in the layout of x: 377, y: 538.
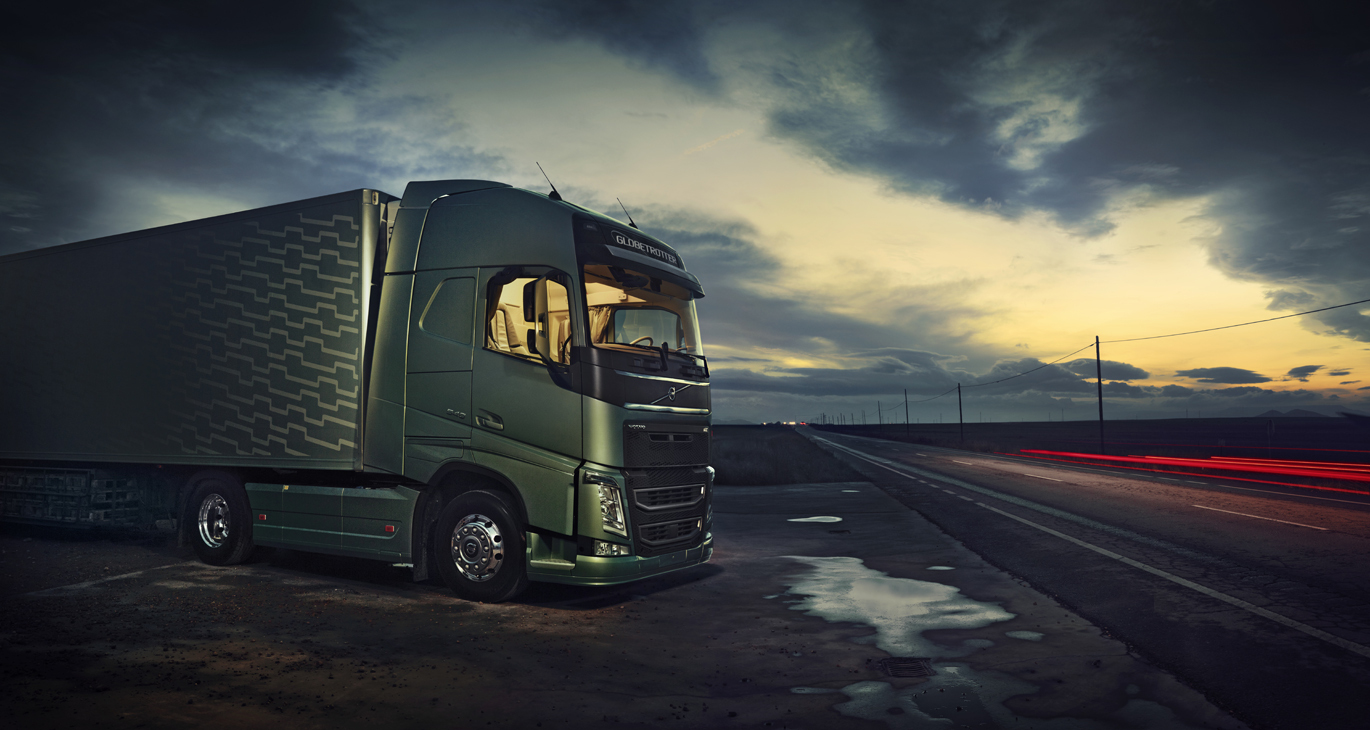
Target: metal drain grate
x: 906, y: 666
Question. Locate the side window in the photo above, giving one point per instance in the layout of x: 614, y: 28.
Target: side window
x: 449, y: 313
x: 511, y: 327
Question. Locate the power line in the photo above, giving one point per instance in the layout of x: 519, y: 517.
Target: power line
x: 935, y: 397
x: 1025, y: 372
x: 1243, y: 324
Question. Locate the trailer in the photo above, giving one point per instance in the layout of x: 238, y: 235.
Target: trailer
x: 476, y: 381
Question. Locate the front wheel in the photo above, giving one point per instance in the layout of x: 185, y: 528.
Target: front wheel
x: 479, y: 548
x: 220, y: 522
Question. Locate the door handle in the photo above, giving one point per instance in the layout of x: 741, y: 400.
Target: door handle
x: 489, y: 420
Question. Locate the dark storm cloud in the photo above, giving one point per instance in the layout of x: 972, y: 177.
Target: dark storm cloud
x: 1112, y: 369
x: 208, y: 98
x: 665, y: 35
x: 1231, y: 376
x: 1302, y: 372
x: 1060, y: 106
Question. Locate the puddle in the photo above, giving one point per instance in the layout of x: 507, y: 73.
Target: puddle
x: 940, y: 567
x: 959, y: 696
x: 815, y: 519
x: 843, y: 589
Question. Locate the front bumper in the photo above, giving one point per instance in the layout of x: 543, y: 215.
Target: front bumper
x: 594, y: 571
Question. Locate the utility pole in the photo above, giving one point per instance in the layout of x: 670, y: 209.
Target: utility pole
x: 960, y: 413
x: 906, y: 412
x: 1099, y: 371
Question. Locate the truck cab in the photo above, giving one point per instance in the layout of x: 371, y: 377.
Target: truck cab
x: 547, y: 356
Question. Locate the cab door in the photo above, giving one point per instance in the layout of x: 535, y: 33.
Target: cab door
x: 517, y: 402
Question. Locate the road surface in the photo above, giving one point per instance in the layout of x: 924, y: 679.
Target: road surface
x: 1259, y: 599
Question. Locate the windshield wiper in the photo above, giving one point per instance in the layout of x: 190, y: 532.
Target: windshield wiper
x: 692, y: 368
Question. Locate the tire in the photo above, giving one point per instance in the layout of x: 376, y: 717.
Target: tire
x: 479, y: 547
x: 219, y: 521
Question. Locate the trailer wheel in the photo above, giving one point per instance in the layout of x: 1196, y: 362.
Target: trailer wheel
x: 478, y: 546
x: 219, y: 522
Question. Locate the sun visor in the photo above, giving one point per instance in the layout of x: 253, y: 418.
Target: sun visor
x: 602, y: 243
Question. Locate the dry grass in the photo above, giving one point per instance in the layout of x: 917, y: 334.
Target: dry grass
x: 763, y: 455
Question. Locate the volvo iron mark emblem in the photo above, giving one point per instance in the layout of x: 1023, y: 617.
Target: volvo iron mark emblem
x: 671, y: 394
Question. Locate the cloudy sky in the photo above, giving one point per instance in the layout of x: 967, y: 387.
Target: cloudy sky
x: 877, y: 196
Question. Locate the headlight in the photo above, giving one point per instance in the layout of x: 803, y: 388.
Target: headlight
x: 610, y: 503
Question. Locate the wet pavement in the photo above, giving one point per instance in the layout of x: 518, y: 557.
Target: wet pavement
x: 786, y: 628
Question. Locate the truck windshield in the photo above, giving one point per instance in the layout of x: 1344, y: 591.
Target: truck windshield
x: 630, y: 309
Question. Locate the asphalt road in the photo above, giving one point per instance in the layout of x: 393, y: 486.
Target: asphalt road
x: 1258, y: 598
x: 811, y: 587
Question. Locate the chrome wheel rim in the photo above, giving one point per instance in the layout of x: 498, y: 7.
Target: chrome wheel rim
x: 214, y: 520
x: 477, y: 548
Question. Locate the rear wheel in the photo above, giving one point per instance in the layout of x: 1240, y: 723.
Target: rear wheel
x: 478, y: 547
x: 219, y: 521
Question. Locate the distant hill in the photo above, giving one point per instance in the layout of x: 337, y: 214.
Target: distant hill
x: 1296, y: 413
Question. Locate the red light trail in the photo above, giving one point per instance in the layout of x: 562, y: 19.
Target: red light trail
x: 1321, y: 470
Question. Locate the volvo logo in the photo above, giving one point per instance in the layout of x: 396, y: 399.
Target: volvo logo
x: 671, y: 394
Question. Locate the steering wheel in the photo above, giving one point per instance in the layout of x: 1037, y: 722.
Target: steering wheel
x: 648, y: 338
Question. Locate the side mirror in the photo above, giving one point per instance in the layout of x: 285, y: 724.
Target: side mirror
x: 542, y: 338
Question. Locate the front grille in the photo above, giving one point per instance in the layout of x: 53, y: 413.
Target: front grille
x: 662, y: 503
x: 658, y: 445
x: 643, y: 478
x: 661, y: 498
x: 677, y: 532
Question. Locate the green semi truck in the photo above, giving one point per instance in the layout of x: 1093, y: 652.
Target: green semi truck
x: 476, y: 381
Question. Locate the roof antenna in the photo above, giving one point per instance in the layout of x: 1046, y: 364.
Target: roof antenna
x: 625, y: 212
x: 554, y: 195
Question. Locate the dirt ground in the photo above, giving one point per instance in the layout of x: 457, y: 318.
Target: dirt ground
x: 133, y: 633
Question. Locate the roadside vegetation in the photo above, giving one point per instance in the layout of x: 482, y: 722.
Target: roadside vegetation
x: 764, y: 455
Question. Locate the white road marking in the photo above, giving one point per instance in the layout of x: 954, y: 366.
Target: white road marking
x: 1039, y: 476
x: 1350, y: 646
x: 1202, y: 484
x: 1272, y: 519
x: 968, y: 499
x: 1286, y: 494
x: 918, y: 454
x: 97, y: 581
x: 967, y: 463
